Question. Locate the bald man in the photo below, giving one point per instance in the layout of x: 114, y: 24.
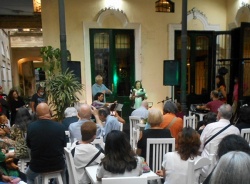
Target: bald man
x: 46, y: 140
x: 85, y: 114
x: 142, y: 111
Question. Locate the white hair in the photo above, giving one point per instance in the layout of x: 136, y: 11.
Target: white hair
x: 233, y: 167
x: 98, y: 77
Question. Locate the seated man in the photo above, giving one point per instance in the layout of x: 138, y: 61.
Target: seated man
x: 70, y: 115
x: 46, y: 140
x: 142, y: 111
x: 84, y: 151
x: 215, y: 103
x: 107, y: 121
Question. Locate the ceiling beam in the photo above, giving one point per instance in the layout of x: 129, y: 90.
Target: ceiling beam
x: 20, y: 21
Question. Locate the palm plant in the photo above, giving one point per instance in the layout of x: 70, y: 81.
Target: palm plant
x: 62, y: 92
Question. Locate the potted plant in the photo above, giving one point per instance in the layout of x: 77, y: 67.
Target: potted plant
x: 61, y: 87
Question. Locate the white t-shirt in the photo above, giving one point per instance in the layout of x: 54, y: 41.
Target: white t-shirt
x: 176, y: 168
x: 83, y: 154
x: 102, y: 173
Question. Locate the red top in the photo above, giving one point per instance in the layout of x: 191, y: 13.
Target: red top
x: 214, y: 105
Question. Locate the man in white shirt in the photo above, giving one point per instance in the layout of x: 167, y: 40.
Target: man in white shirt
x: 223, y: 117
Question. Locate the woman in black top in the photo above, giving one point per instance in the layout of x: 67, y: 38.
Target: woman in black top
x: 154, y: 119
x: 15, y: 102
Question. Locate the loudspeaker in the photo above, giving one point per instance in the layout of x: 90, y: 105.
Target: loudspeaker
x: 170, y: 73
x: 75, y: 66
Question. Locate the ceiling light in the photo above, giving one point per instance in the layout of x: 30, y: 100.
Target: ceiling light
x: 166, y: 6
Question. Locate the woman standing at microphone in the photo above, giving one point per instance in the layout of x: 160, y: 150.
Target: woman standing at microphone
x: 137, y: 94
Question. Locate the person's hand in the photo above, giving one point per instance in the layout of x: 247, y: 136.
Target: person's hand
x: 6, y: 178
x: 104, y: 92
x: 94, y: 111
x: 160, y: 173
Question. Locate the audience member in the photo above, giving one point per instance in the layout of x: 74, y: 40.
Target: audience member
x: 244, y: 118
x: 107, y: 121
x: 175, y: 164
x: 180, y: 113
x: 46, y: 140
x: 214, y: 132
x: 170, y: 121
x: 142, y: 111
x: 84, y: 113
x: 215, y: 103
x: 15, y: 102
x: 5, y: 141
x: 84, y: 151
x: 154, y: 119
x: 100, y: 87
x: 137, y: 95
x: 230, y: 143
x: 233, y: 167
x: 208, y: 118
x: 70, y: 116
x: 119, y: 160
x: 19, y: 131
x: 221, y: 88
x: 4, y: 106
x: 37, y: 98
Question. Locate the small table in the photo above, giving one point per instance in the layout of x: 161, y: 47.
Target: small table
x: 91, y: 172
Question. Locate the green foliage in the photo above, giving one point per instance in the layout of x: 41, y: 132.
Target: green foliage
x: 61, y: 91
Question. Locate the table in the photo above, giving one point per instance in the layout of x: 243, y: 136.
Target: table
x: 91, y: 172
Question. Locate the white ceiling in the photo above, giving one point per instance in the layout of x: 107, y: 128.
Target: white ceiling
x: 16, y: 7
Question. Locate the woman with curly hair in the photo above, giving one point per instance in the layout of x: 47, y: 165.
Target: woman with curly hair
x: 119, y: 160
x: 175, y: 164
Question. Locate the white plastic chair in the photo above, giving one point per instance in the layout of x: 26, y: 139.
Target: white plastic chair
x: 133, y: 121
x: 121, y: 126
x: 194, y: 165
x: 22, y: 164
x: 99, y: 141
x: 67, y: 133
x: 71, y: 167
x: 125, y: 180
x: 158, y: 147
x: 189, y: 121
x: 245, y: 133
x: 136, y: 136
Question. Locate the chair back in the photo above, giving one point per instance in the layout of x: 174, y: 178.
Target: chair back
x: 133, y: 121
x: 99, y: 141
x: 158, y: 147
x: 67, y: 133
x: 245, y: 133
x: 23, y: 164
x: 190, y: 121
x: 121, y: 126
x: 194, y: 165
x: 73, y: 179
x: 125, y: 180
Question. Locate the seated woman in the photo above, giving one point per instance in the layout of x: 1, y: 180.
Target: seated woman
x: 154, y: 119
x: 18, y: 132
x: 5, y: 133
x: 233, y: 167
x: 99, y: 101
x: 244, y: 118
x: 119, y: 160
x: 175, y: 164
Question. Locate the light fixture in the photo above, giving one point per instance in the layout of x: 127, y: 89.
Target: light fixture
x: 166, y: 6
x: 37, y: 6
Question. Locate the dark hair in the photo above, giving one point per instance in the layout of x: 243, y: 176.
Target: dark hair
x: 221, y: 82
x: 119, y: 156
x: 23, y: 118
x: 39, y: 88
x: 10, y: 95
x: 139, y: 82
x: 232, y: 143
x: 97, y: 95
x: 209, y: 118
x: 188, y: 143
x: 170, y: 107
x: 245, y: 114
x: 104, y: 111
x: 88, y: 130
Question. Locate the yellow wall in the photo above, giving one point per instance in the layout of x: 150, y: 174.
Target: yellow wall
x: 154, y: 31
